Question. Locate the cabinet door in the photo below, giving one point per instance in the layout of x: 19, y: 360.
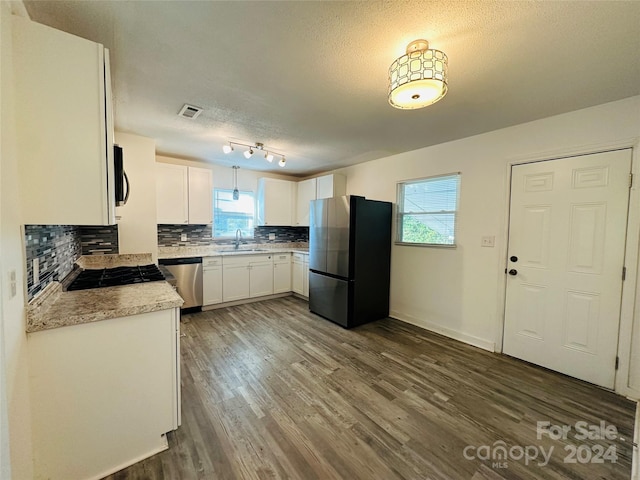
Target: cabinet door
x: 200, y: 196
x: 306, y: 193
x: 212, y: 285
x: 275, y: 202
x: 64, y: 134
x: 297, y: 282
x: 261, y: 279
x: 172, y: 193
x: 329, y: 186
x: 305, y: 276
x: 282, y: 277
x: 235, y: 282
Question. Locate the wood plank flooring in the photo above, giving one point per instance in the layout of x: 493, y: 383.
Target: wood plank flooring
x: 272, y: 391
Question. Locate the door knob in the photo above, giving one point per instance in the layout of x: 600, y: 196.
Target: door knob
x: 513, y: 258
x: 513, y: 271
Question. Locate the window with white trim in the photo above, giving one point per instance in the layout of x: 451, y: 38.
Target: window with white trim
x: 428, y: 210
x: 229, y: 215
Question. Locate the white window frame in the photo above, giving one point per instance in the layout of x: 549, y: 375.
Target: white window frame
x: 213, y: 226
x: 400, y: 213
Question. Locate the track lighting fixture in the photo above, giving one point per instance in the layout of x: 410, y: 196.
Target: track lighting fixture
x: 268, y: 154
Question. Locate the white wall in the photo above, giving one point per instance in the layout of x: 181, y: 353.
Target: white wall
x: 459, y: 292
x: 12, y: 320
x: 137, y: 223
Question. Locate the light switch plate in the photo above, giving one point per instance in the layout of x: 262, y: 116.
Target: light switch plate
x: 272, y: 236
x: 183, y: 237
x: 12, y: 284
x: 488, y: 241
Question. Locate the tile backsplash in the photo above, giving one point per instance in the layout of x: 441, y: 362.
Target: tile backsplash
x: 198, y: 235
x: 57, y: 247
x: 99, y: 240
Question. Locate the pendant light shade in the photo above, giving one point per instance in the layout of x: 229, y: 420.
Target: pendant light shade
x: 236, y: 192
x: 418, y: 78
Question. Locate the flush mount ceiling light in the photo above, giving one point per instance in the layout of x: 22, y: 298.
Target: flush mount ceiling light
x: 268, y: 154
x: 419, y: 77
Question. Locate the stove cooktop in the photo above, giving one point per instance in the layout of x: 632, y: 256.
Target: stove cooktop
x: 111, y: 277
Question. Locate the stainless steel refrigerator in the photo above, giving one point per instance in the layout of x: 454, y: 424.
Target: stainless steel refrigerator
x: 349, y: 259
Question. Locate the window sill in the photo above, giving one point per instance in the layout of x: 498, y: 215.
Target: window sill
x: 435, y: 245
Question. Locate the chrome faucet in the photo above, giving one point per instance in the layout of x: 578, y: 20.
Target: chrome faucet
x: 238, y: 238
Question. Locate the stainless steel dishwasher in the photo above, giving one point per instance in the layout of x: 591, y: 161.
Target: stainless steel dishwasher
x: 188, y: 273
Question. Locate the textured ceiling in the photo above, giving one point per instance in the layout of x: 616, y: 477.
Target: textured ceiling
x: 309, y: 79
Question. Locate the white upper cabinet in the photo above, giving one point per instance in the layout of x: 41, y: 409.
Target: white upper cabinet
x: 64, y: 127
x: 172, y: 193
x: 275, y: 202
x: 306, y: 193
x: 329, y: 186
x: 200, y: 196
x: 184, y: 194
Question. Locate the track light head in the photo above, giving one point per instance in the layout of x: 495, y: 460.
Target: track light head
x: 227, y: 148
x: 269, y: 157
x: 248, y: 153
x: 282, y: 162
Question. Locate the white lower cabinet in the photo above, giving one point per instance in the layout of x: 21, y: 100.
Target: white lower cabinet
x: 246, y: 276
x: 235, y: 283
x: 282, y: 273
x: 103, y: 393
x: 261, y: 279
x: 300, y: 274
x: 211, y: 280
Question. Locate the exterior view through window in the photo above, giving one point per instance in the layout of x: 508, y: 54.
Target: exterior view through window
x: 427, y: 211
x: 230, y: 215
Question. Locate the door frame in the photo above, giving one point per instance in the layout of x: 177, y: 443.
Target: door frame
x: 629, y: 310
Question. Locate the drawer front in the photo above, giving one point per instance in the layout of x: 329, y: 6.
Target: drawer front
x: 211, y: 262
x: 282, y: 258
x: 298, y: 257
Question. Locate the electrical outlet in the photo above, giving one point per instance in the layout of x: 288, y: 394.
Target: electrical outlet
x: 488, y: 241
x: 183, y: 237
x: 36, y: 271
x: 272, y: 236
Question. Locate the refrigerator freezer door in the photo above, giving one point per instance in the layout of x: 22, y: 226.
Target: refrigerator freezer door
x: 338, y: 236
x: 318, y: 235
x: 329, y: 298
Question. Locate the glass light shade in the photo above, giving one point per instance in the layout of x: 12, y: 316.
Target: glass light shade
x: 269, y: 157
x: 282, y: 162
x: 227, y: 149
x: 418, y: 78
x: 248, y: 153
x: 236, y: 194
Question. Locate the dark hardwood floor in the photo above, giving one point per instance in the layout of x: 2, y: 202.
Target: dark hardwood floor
x: 272, y: 391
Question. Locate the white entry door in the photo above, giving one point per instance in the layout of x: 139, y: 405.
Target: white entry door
x: 567, y: 232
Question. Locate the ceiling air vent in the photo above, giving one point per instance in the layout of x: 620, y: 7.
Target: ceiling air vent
x: 190, y: 111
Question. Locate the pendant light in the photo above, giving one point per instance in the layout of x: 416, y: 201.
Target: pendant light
x: 419, y: 77
x: 236, y: 192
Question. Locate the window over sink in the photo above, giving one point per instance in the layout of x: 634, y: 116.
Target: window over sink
x: 229, y: 215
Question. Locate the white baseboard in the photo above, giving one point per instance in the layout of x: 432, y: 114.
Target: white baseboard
x: 246, y: 300
x: 447, y: 332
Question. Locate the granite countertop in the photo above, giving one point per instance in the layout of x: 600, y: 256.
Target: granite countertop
x: 227, y: 250
x: 54, y: 308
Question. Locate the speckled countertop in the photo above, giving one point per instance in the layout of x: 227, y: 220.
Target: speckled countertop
x: 225, y: 250
x: 53, y: 308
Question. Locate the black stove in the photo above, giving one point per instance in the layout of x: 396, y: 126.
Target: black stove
x: 111, y: 277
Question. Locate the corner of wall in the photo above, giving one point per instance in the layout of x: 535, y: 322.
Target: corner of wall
x: 16, y: 453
